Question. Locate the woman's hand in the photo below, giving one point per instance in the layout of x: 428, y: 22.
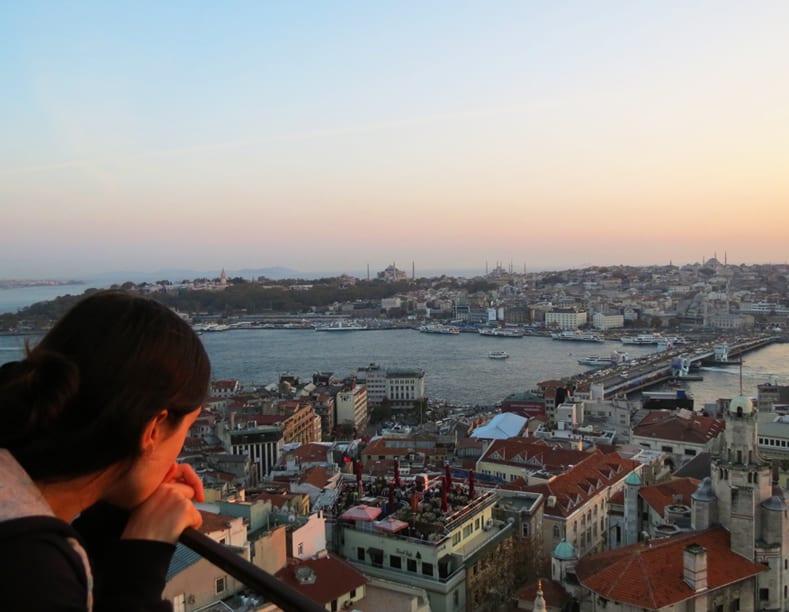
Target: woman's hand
x: 169, y: 510
x: 183, y: 473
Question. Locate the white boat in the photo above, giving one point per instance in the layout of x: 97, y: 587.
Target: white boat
x: 438, y: 328
x: 500, y: 332
x: 595, y: 361
x: 498, y: 355
x: 577, y: 336
x: 341, y: 326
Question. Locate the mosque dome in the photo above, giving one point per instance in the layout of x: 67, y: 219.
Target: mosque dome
x: 741, y: 405
x: 564, y: 551
x: 704, y: 492
x: 633, y: 479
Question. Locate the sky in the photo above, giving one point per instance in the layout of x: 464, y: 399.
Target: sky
x: 329, y: 136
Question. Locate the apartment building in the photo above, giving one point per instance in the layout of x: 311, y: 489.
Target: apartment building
x: 351, y: 407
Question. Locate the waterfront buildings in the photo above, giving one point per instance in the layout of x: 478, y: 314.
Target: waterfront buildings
x: 565, y: 319
x: 401, y: 387
x: 606, y: 320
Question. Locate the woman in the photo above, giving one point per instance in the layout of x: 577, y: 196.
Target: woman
x: 92, y: 500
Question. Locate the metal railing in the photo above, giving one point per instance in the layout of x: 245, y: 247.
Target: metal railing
x: 276, y: 591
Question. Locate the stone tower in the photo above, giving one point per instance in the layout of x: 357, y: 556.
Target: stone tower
x: 741, y: 479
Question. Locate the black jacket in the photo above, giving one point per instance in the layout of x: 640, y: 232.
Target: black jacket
x: 48, y: 565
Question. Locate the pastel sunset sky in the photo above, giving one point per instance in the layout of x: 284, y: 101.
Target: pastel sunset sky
x: 325, y: 136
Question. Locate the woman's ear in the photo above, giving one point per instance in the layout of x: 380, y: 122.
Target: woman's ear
x: 153, y: 433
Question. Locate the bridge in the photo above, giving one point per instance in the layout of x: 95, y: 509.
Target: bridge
x: 660, y: 367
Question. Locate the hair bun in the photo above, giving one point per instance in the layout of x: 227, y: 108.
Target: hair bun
x: 35, y: 391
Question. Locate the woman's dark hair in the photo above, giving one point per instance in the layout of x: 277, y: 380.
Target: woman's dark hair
x: 81, y: 398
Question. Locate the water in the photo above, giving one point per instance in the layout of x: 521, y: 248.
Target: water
x: 11, y: 300
x: 457, y: 368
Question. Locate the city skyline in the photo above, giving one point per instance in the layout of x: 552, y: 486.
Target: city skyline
x: 329, y: 137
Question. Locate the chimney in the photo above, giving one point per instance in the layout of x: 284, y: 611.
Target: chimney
x: 694, y: 566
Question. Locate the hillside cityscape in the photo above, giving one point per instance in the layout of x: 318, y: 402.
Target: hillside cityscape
x: 606, y: 490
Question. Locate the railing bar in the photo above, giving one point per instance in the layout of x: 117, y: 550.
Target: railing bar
x: 252, y: 576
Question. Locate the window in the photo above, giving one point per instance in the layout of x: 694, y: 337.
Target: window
x: 667, y: 449
x: 525, y: 530
x: 691, y: 452
x: 219, y: 585
x: 735, y: 605
x: 456, y: 538
x: 427, y: 568
x: 301, y: 548
x: 359, y: 553
x: 395, y: 561
x: 764, y: 594
x: 411, y: 565
x: 556, y: 532
x: 353, y: 592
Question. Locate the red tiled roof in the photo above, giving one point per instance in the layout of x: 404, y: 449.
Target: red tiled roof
x: 670, y: 425
x: 575, y: 487
x: 530, y: 453
x: 224, y: 384
x: 308, y: 453
x: 333, y: 578
x: 650, y: 575
x: 317, y: 476
x: 671, y: 492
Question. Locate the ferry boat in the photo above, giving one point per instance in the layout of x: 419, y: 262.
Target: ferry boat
x: 616, y: 358
x: 500, y: 332
x: 498, y: 355
x: 341, y: 326
x: 577, y: 336
x: 438, y: 328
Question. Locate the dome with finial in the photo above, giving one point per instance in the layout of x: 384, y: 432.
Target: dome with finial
x: 741, y: 405
x: 564, y: 551
x: 704, y: 492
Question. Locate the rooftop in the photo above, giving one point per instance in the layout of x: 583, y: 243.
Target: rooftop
x: 650, y: 575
